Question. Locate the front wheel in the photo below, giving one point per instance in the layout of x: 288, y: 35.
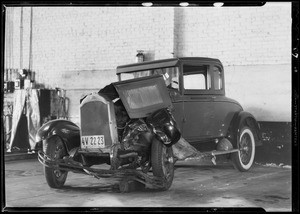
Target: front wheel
x: 162, y: 162
x: 56, y: 150
x: 244, y: 158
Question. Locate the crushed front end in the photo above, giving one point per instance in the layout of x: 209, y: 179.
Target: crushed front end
x: 118, y: 126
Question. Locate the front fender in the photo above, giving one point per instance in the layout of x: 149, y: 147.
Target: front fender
x: 67, y: 130
x: 164, y: 126
x: 247, y: 118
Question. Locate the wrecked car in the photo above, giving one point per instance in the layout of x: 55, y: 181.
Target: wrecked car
x: 157, y: 112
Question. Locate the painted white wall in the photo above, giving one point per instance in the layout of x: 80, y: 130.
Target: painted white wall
x: 79, y: 47
x: 263, y: 90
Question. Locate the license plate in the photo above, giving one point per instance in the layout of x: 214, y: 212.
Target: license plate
x: 92, y: 141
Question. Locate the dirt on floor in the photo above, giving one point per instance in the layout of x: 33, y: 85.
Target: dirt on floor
x: 195, y: 185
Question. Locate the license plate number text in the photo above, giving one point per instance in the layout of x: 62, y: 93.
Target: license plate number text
x: 92, y: 141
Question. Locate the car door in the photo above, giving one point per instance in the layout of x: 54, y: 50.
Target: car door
x: 198, y: 111
x: 207, y: 113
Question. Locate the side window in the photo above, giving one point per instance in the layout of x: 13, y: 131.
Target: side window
x: 217, y: 78
x: 195, y: 81
x: 196, y: 78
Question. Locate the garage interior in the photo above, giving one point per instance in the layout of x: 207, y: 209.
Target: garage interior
x: 54, y: 56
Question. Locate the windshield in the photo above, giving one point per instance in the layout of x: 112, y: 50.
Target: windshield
x: 170, y: 74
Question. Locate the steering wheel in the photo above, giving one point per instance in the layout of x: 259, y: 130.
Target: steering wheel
x: 170, y: 85
x: 175, y: 82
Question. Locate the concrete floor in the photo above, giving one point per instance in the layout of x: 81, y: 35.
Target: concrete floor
x: 195, y: 185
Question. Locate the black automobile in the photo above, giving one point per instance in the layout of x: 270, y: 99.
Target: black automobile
x: 158, y: 112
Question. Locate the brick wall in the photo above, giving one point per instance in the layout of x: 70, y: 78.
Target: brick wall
x: 254, y: 45
x: 235, y: 35
x: 96, y: 38
x: 78, y: 48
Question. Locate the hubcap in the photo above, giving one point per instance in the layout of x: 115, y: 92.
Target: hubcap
x: 170, y: 160
x: 57, y: 173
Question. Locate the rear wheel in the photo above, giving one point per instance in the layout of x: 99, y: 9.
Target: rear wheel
x: 244, y: 158
x: 162, y: 162
x: 56, y: 150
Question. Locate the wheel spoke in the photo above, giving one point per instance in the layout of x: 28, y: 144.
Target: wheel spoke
x: 243, y: 159
x: 167, y: 163
x: 245, y: 148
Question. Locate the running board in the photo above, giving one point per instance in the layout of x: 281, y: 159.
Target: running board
x: 210, y: 154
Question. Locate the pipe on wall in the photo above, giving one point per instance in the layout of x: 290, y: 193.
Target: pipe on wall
x: 21, y: 39
x: 30, y: 44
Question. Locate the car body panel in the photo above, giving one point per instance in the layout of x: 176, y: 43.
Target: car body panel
x: 147, y: 65
x: 144, y: 95
x: 248, y: 119
x: 204, y: 117
x: 163, y: 63
x: 65, y: 129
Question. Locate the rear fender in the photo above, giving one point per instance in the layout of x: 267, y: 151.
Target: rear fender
x: 248, y: 119
x: 68, y: 131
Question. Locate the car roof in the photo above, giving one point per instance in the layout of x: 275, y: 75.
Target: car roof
x: 163, y: 63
